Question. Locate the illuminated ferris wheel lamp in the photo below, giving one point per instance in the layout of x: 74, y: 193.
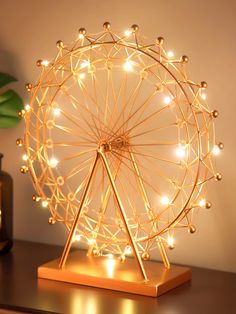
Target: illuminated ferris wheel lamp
x: 120, y: 144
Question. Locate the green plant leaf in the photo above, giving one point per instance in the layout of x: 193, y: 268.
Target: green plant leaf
x: 6, y: 79
x: 10, y: 104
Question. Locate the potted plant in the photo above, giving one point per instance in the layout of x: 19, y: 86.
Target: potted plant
x: 10, y: 104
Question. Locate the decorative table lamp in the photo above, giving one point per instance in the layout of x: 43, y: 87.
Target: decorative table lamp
x: 119, y: 143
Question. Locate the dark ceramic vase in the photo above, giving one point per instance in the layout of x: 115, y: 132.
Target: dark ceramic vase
x: 6, y: 210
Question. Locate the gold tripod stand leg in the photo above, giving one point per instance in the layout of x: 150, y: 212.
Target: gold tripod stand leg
x: 122, y: 213
x: 124, y: 218
x: 75, y: 222
x: 148, y: 207
x: 104, y: 207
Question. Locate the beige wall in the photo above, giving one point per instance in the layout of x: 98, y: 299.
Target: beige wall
x: 204, y: 30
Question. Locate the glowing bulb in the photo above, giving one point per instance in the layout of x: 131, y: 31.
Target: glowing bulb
x: 45, y: 63
x: 44, y: 203
x: 53, y: 162
x: 128, y: 66
x: 110, y: 256
x: 27, y: 107
x: 202, y: 203
x: 170, y: 54
x: 167, y: 100
x: 81, y: 76
x: 165, y: 200
x: 81, y: 36
x: 128, y: 250
x: 180, y: 152
x: 216, y: 150
x: 25, y: 157
x: 56, y: 111
x: 77, y: 237
x: 128, y: 33
x: 171, y: 242
x: 91, y: 241
x: 85, y: 64
x: 203, y: 96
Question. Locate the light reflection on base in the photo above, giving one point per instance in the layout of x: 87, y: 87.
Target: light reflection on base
x: 111, y: 274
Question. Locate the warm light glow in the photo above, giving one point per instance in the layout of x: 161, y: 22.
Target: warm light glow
x: 81, y: 76
x: 216, y: 150
x: 56, y: 111
x: 81, y: 36
x: 44, y: 203
x: 53, y: 162
x: 203, y: 96
x: 24, y: 157
x: 91, y: 241
x: 110, y: 266
x: 128, y: 250
x: 90, y: 306
x: 180, y: 152
x: 85, y: 64
x: 129, y: 306
x: 45, y: 63
x: 170, y: 54
x: 165, y: 200
x: 171, y: 241
x: 128, y: 33
x: 110, y: 256
x: 202, y: 203
x: 128, y: 66
x: 77, y: 237
x: 167, y: 100
x: 27, y: 107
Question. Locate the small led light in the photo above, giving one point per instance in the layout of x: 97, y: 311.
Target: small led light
x: 27, y: 107
x: 170, y: 242
x: 56, y: 111
x: 165, y: 200
x: 128, y: 250
x: 203, y: 96
x: 202, y: 203
x: 53, y: 162
x: 25, y: 157
x: 128, y: 33
x: 85, y: 64
x: 45, y: 63
x: 81, y: 36
x: 128, y: 66
x: 44, y: 203
x: 170, y: 54
x: 110, y: 256
x: 91, y: 241
x: 81, y: 76
x: 216, y: 150
x: 77, y: 237
x: 180, y: 152
x: 167, y: 100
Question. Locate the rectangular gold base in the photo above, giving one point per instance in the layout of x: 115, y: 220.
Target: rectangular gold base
x: 103, y: 272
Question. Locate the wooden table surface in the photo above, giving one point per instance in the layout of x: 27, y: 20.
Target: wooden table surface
x: 209, y: 291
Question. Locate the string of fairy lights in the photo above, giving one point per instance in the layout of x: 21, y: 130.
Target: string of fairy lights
x: 132, y: 104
